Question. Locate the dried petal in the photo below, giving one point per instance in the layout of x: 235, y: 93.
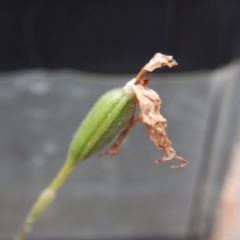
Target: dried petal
x: 150, y: 104
x: 158, y: 61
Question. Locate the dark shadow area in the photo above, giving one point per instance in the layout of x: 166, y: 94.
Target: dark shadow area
x: 117, y: 36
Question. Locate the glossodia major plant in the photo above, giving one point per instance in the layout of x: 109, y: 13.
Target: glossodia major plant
x: 112, y: 115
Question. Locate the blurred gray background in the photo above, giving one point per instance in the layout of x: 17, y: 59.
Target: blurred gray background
x: 59, y: 57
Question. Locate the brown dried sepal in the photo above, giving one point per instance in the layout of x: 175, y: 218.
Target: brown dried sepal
x: 158, y: 61
x: 150, y: 104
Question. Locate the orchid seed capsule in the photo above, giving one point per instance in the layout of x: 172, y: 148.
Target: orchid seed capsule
x: 112, y: 114
x: 106, y: 119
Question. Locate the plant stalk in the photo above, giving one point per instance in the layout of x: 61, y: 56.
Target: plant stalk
x: 45, y: 198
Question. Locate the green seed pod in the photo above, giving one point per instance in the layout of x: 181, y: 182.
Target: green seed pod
x: 113, y: 112
x: 107, y: 118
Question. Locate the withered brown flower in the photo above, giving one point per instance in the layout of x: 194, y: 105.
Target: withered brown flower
x: 150, y: 103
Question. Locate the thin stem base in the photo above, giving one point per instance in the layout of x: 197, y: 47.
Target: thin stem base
x: 44, y: 200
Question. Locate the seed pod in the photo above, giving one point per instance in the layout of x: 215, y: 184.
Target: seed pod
x: 113, y: 112
x: 107, y: 118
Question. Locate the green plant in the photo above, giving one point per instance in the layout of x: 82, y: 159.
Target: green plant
x: 113, y: 113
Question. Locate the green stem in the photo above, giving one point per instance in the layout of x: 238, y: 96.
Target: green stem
x: 45, y: 198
